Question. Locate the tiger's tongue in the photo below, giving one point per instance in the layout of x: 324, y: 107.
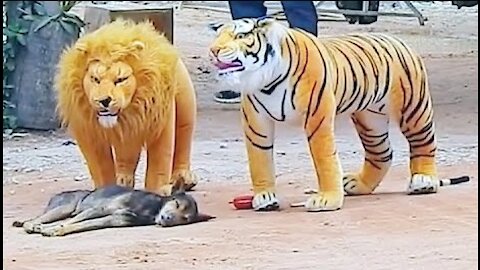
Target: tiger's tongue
x: 222, y: 65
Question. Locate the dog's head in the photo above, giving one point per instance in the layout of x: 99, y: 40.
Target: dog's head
x: 180, y: 208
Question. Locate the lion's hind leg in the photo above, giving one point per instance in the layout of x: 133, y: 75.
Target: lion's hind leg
x: 372, y: 128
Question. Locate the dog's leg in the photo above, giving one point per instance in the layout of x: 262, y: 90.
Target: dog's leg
x: 159, y: 158
x: 186, y: 113
x: 55, y: 214
x: 91, y: 213
x: 110, y: 221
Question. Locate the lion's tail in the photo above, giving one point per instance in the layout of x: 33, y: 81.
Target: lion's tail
x: 454, y: 181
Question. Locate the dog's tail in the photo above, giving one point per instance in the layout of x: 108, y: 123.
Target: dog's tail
x: 454, y: 181
x: 18, y: 223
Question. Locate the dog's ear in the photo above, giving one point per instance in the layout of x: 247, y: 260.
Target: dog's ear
x: 178, y: 185
x: 202, y: 218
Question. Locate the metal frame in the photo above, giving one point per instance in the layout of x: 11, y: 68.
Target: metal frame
x: 365, y: 12
x: 326, y: 14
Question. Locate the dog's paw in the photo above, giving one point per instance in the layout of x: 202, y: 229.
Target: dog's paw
x: 423, y: 184
x: 53, y: 232
x: 265, y: 201
x: 353, y: 185
x: 126, y: 180
x: 190, y: 178
x: 325, y: 201
x: 31, y: 227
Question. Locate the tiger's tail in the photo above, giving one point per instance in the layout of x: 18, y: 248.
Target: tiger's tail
x: 454, y: 181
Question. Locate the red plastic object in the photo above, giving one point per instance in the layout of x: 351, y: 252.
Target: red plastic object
x: 243, y: 202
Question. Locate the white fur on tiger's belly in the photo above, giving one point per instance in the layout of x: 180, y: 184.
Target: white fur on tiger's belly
x: 108, y: 121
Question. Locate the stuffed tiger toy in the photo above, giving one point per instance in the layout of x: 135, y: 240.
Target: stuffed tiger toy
x: 288, y: 75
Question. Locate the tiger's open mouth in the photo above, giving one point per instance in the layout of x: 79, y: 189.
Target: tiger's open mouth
x: 225, y: 68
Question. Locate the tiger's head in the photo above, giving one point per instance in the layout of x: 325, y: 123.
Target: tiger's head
x: 246, y: 46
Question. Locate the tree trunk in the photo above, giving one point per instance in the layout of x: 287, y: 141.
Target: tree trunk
x: 35, y: 67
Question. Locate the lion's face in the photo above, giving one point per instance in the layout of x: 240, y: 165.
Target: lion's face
x: 110, y: 89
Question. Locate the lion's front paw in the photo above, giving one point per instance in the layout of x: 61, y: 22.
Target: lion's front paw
x: 165, y: 190
x: 189, y: 177
x: 126, y: 180
x: 353, y: 185
x: 325, y: 201
x: 265, y: 201
x: 423, y: 184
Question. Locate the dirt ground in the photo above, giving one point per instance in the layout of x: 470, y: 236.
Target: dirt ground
x: 387, y: 230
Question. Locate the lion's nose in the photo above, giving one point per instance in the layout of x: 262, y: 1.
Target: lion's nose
x: 105, y: 102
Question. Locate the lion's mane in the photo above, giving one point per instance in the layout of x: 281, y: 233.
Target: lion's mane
x: 153, y: 66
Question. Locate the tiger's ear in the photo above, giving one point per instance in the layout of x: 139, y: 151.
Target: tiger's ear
x: 265, y: 21
x: 215, y: 26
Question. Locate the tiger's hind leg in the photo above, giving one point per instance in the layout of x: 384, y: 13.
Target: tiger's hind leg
x: 372, y: 128
x: 418, y: 128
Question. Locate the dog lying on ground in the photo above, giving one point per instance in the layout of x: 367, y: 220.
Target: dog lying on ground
x: 113, y: 206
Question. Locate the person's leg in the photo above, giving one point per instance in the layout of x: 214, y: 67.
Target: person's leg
x: 301, y: 14
x: 239, y: 10
x: 247, y: 9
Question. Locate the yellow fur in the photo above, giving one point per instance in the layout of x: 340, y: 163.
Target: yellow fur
x: 155, y: 83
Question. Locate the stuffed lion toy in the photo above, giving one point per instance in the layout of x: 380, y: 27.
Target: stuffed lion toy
x: 122, y: 88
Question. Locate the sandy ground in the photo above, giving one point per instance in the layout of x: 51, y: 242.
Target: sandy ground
x: 387, y: 230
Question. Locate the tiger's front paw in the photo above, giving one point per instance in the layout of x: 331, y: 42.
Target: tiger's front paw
x: 189, y: 177
x: 353, y: 185
x: 265, y: 201
x: 325, y: 201
x: 423, y: 184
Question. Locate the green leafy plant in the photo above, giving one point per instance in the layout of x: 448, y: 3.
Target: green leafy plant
x: 15, y: 33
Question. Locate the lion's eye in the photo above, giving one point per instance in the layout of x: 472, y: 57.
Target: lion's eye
x: 241, y: 35
x: 177, y: 204
x: 120, y: 80
x: 95, y: 79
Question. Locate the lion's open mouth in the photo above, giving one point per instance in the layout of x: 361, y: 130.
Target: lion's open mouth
x: 107, y: 113
x: 107, y: 119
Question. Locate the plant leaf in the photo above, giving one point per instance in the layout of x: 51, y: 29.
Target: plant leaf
x: 68, y: 27
x: 39, y: 8
x: 45, y: 22
x: 21, y: 39
x: 79, y: 23
x: 10, y: 65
